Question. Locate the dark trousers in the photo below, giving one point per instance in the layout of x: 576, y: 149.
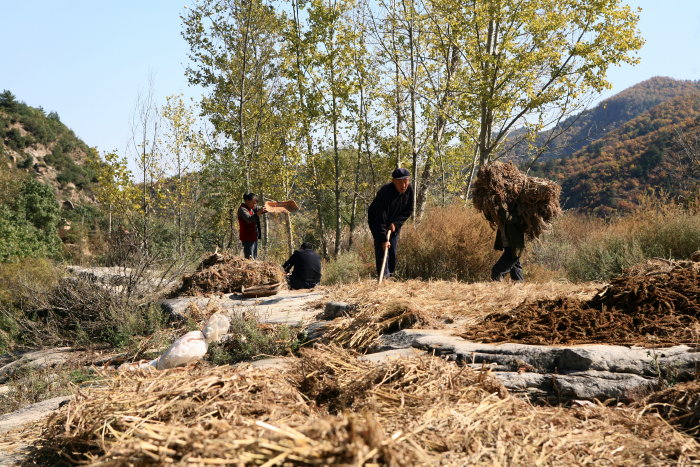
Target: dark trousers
x: 391, y: 257
x: 507, y: 263
x: 250, y: 249
x: 295, y: 284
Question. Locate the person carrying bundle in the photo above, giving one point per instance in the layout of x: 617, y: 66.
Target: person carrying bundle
x: 516, y: 205
x: 391, y: 207
x: 510, y: 239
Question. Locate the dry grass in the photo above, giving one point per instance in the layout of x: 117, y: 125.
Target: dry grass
x: 331, y: 409
x: 457, y: 301
x: 653, y: 304
x: 680, y: 405
x: 502, y: 184
x: 227, y: 273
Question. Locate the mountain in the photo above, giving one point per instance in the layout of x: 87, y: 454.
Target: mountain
x: 588, y: 126
x: 636, y: 141
x: 41, y: 145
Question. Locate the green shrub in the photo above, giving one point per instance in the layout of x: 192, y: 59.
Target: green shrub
x: 604, y: 259
x: 345, y: 268
x: 250, y: 340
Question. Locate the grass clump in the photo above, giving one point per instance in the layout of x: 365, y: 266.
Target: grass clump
x: 31, y: 385
x: 345, y: 268
x: 250, y: 340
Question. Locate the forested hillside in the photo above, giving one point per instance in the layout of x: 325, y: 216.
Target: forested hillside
x: 39, y: 144
x: 580, y: 130
x: 656, y: 150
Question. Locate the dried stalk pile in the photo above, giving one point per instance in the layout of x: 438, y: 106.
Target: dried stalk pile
x: 502, y: 184
x: 361, y: 332
x: 680, y: 405
x: 228, y: 273
x: 331, y: 409
x: 654, y: 304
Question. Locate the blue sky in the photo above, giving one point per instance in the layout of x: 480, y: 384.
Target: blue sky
x: 88, y: 59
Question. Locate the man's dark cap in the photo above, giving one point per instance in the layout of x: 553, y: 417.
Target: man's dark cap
x: 400, y: 173
x: 307, y: 246
x: 249, y: 196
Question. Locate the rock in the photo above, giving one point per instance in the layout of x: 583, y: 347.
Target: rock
x: 556, y: 373
x: 387, y: 355
x: 603, y: 385
x: 334, y: 310
x: 290, y: 307
x: 30, y: 413
x: 38, y: 359
x: 678, y: 361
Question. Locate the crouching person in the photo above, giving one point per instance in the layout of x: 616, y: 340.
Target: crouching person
x: 510, y: 238
x: 305, y: 265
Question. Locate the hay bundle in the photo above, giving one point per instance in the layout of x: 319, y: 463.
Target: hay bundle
x: 362, y: 331
x: 537, y: 200
x: 680, y: 405
x: 228, y: 273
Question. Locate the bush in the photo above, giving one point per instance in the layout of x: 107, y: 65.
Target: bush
x: 251, y: 340
x: 604, y: 259
x: 454, y: 242
x: 346, y: 267
x: 587, y: 248
x: 19, y: 282
x: 83, y: 312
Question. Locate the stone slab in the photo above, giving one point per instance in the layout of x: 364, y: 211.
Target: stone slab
x: 31, y: 413
x: 290, y: 307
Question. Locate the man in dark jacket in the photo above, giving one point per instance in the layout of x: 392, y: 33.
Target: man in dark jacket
x: 305, y: 265
x: 249, y: 224
x: 510, y: 238
x: 387, y: 213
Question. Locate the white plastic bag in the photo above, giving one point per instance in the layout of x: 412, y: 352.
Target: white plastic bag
x: 216, y: 327
x: 190, y: 347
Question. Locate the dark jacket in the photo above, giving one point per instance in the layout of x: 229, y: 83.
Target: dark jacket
x: 248, y: 224
x: 511, y: 231
x: 389, y: 207
x: 306, y: 265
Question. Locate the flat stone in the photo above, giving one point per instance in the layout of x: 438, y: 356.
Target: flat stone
x: 31, y: 413
x: 603, y: 385
x: 680, y: 361
x: 290, y: 307
x: 39, y: 359
x: 388, y: 355
x: 334, y: 310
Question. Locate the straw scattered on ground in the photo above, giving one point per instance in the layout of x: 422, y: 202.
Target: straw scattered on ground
x: 228, y: 273
x: 459, y: 303
x: 331, y: 409
x: 653, y: 304
x: 362, y: 331
x: 537, y: 199
x: 680, y: 405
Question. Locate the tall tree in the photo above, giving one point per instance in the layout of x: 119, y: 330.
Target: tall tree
x: 234, y: 55
x: 182, y: 143
x: 330, y: 32
x: 532, y: 61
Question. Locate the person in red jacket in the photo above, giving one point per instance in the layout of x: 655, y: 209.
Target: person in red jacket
x: 249, y: 224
